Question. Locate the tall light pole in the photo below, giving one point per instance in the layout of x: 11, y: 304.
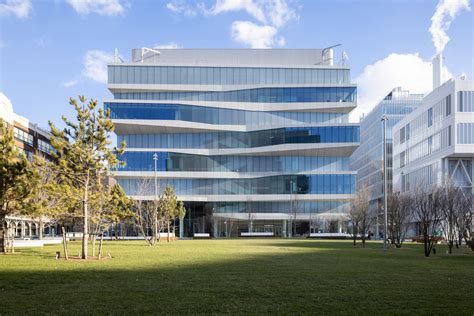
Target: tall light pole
x: 385, y: 228
x: 155, y: 158
x: 291, y: 209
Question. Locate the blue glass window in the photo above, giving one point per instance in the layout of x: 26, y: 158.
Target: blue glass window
x: 302, y: 184
x: 139, y: 74
x: 263, y: 95
x: 333, y: 134
x: 150, y: 111
x: 169, y: 161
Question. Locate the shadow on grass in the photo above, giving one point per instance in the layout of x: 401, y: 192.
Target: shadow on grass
x: 193, y: 277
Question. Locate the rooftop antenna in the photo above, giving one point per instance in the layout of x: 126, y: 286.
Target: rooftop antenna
x: 344, y: 58
x: 146, y: 50
x: 117, y: 58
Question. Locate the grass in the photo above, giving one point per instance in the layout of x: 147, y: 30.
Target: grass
x: 253, y: 276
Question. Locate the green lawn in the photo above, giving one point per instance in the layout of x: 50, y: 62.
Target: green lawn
x: 252, y: 276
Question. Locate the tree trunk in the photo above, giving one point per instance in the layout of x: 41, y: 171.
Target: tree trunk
x: 100, y: 245
x: 65, y: 244
x: 354, y: 235
x: 426, y: 245
x: 116, y: 230
x: 174, y: 230
x: 41, y: 228
x: 85, y: 210
x: 93, y: 244
x: 3, y: 234
x: 450, y: 246
x: 168, y: 235
x: 155, y: 227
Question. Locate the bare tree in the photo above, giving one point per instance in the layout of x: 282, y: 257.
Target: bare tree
x: 359, y: 217
x: 451, y: 208
x: 147, y: 213
x: 354, y: 219
x: 399, y: 217
x: 428, y: 212
x: 230, y: 224
x: 465, y: 219
x: 362, y: 204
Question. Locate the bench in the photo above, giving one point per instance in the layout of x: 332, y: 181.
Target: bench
x: 257, y: 234
x: 201, y: 235
x: 74, y: 236
x: 330, y: 235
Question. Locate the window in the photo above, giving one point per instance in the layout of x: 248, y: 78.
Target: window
x: 466, y: 101
x: 448, y: 105
x: 449, y: 135
x: 430, y: 117
x: 430, y: 145
x: 402, y: 159
x: 407, y: 131
x: 44, y: 146
x: 23, y: 136
x: 465, y: 133
x: 403, y: 182
x: 402, y: 135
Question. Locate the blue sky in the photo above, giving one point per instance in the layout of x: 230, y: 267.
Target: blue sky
x: 51, y: 50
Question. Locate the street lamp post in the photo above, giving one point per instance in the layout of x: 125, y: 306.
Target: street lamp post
x: 292, y: 210
x: 155, y: 158
x: 384, y: 120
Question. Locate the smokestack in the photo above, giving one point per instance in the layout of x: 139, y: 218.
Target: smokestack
x: 328, y: 56
x: 437, y: 67
x: 331, y: 57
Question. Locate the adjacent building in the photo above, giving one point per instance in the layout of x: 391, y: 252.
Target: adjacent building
x: 436, y: 141
x: 252, y: 140
x: 29, y: 138
x: 367, y: 160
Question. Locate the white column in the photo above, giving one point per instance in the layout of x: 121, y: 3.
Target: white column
x: 216, y: 233
x: 181, y: 227
x: 23, y: 229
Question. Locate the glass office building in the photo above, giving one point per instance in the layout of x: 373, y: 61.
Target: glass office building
x: 435, y: 143
x: 251, y: 140
x: 368, y: 158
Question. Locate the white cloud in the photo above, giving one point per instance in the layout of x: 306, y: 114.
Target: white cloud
x: 95, y: 65
x: 271, y: 16
x: 251, y: 7
x: 170, y: 45
x: 255, y: 36
x: 446, y: 11
x: 408, y: 71
x: 19, y: 8
x: 280, y: 13
x: 270, y: 12
x: 101, y: 7
x: 71, y: 83
x: 181, y: 7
